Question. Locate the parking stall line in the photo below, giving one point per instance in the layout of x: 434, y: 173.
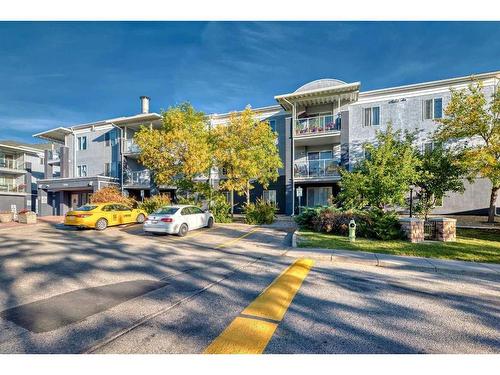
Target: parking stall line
x: 236, y: 239
x: 252, y: 330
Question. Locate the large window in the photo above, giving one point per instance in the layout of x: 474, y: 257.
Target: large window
x: 269, y: 196
x: 318, y: 196
x: 432, y: 108
x: 82, y: 143
x: 107, y: 139
x: 82, y: 171
x: 371, y: 116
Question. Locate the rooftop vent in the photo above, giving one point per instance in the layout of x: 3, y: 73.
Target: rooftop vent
x: 144, y: 104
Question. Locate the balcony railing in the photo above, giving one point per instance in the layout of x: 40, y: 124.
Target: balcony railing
x: 11, y: 188
x: 317, y: 125
x: 142, y: 178
x: 317, y: 168
x: 53, y: 156
x: 11, y: 164
x: 131, y: 147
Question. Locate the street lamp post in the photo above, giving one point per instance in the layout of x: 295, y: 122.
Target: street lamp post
x: 411, y: 201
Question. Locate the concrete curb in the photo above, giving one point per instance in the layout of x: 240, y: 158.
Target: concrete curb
x: 394, y: 261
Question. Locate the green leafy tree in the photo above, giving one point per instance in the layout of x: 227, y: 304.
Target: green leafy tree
x: 439, y: 172
x: 247, y: 151
x: 384, y: 178
x: 470, y: 116
x: 180, y: 150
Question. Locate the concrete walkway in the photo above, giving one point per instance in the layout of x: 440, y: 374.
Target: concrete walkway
x: 395, y: 261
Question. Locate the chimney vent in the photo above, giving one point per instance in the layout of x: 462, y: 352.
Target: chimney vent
x: 144, y: 104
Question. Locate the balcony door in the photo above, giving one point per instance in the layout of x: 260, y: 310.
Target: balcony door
x: 318, y: 196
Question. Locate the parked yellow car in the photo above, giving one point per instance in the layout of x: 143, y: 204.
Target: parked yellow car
x: 102, y: 215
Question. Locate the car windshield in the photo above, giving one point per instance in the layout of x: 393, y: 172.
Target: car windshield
x: 166, y: 210
x: 86, y: 208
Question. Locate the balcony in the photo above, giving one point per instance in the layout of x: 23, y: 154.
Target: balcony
x: 131, y: 147
x: 6, y: 187
x: 137, y: 178
x: 317, y: 169
x: 11, y: 165
x: 53, y: 157
x: 318, y: 125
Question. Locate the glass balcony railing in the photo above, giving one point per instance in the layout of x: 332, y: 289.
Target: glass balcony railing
x: 54, y: 156
x: 317, y: 168
x: 131, y: 147
x: 12, y: 188
x: 11, y: 164
x: 142, y: 178
x: 317, y: 125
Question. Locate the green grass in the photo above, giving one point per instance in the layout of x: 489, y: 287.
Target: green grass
x: 472, y: 245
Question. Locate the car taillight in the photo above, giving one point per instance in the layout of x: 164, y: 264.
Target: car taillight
x: 167, y: 220
x: 83, y: 215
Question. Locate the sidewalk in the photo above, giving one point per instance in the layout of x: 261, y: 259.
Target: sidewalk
x: 395, y: 261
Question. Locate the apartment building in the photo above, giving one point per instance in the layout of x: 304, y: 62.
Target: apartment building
x: 324, y: 124
x: 321, y: 126
x: 21, y: 165
x: 94, y: 155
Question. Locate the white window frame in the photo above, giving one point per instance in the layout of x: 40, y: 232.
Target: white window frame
x: 82, y: 141
x: 432, y: 108
x: 369, y: 121
x: 269, y: 196
x: 82, y: 170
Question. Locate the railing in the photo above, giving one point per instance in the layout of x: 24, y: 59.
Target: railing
x: 11, y: 188
x: 53, y: 156
x: 317, y: 168
x: 11, y: 164
x: 317, y: 125
x: 131, y: 147
x: 142, y: 178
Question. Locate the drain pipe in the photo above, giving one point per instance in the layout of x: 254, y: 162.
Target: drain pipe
x: 294, y: 110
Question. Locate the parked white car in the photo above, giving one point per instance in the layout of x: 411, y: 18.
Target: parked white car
x: 178, y: 220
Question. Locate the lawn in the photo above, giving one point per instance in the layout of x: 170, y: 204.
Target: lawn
x: 472, y: 244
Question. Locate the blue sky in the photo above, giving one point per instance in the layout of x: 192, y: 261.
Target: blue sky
x: 63, y: 73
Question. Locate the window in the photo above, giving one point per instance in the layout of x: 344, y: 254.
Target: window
x: 371, y: 116
x: 318, y: 196
x: 186, y: 211
x: 427, y: 147
x: 269, y: 196
x: 41, y: 161
x: 272, y: 124
x: 196, y: 210
x: 82, y: 171
x: 107, y: 169
x: 107, y: 139
x: 432, y: 108
x: 224, y: 171
x: 82, y: 143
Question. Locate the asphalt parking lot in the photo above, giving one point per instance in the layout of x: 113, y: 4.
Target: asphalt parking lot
x: 226, y: 289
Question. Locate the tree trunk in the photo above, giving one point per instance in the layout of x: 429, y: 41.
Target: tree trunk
x: 232, y: 204
x: 247, y: 193
x: 493, y: 200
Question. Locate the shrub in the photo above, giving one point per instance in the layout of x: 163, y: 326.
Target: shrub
x: 155, y: 202
x: 306, y: 216
x: 260, y: 212
x: 375, y: 223
x: 111, y: 194
x: 221, y: 209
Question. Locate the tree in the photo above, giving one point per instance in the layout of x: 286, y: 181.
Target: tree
x: 438, y: 173
x: 385, y: 176
x: 247, y: 151
x: 469, y: 115
x: 180, y: 150
x: 111, y: 194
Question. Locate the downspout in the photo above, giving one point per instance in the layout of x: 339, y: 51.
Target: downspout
x: 293, y: 153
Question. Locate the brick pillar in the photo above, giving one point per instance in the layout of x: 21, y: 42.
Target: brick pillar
x: 446, y: 229
x: 413, y: 228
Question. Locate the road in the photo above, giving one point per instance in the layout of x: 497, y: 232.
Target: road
x: 225, y: 290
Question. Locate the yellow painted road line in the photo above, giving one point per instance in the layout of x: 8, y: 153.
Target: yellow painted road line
x: 250, y: 334
x: 236, y: 239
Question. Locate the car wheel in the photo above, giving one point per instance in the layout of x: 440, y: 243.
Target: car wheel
x: 140, y: 218
x: 183, y: 230
x: 101, y: 224
x: 210, y: 223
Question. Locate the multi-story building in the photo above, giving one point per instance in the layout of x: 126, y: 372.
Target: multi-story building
x: 321, y: 127
x: 324, y: 124
x: 21, y: 165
